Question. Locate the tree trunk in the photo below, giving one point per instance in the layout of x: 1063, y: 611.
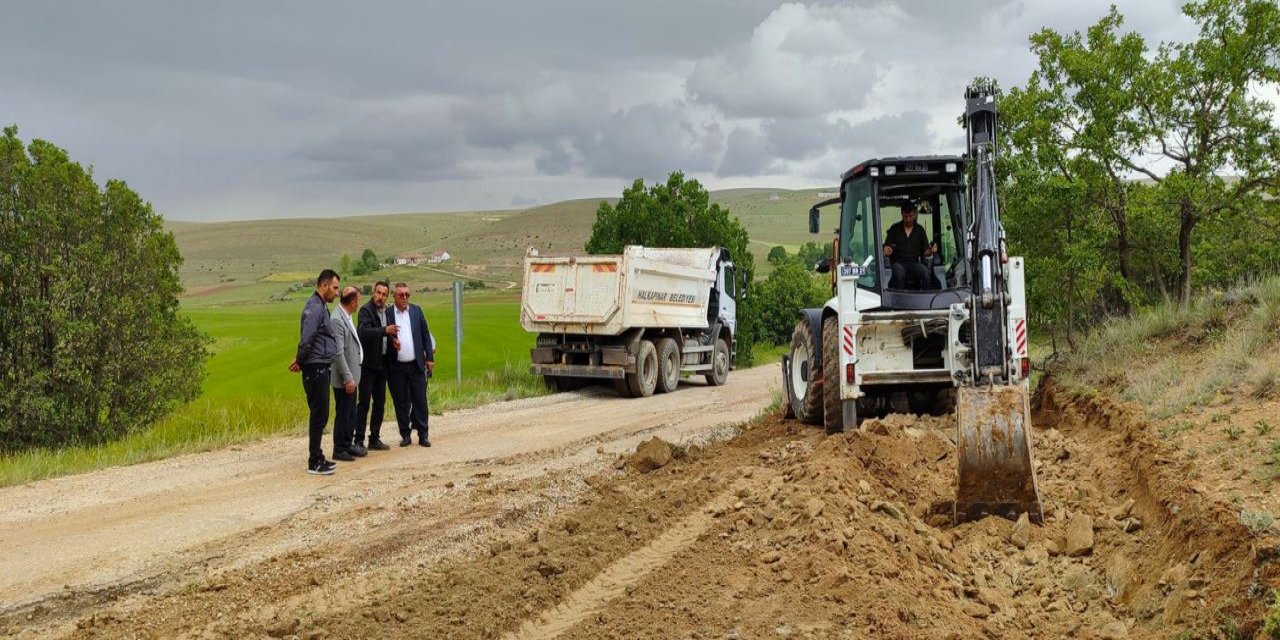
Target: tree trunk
x: 1187, y: 225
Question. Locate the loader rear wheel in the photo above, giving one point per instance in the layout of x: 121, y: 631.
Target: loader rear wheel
x: 719, y: 373
x: 645, y: 379
x: 668, y: 365
x: 806, y: 399
x: 832, y: 408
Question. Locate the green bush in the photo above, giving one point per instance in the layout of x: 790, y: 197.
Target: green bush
x: 91, y: 343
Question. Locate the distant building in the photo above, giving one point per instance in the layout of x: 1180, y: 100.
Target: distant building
x: 440, y: 256
x: 828, y: 194
x: 774, y: 197
x: 410, y: 258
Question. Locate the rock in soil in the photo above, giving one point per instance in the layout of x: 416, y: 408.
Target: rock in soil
x: 1080, y: 536
x: 652, y: 454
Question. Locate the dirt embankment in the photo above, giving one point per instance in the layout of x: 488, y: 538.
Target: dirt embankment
x: 780, y: 532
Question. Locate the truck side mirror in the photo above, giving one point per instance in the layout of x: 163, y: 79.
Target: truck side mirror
x: 823, y: 266
x: 814, y: 220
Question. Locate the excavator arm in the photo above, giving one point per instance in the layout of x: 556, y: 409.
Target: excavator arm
x: 996, y: 474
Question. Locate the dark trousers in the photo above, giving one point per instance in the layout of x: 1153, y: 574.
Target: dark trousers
x: 344, y: 419
x: 373, y: 395
x: 909, y: 270
x: 315, y: 383
x: 408, y: 386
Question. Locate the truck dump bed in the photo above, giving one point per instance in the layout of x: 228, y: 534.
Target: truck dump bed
x: 607, y: 295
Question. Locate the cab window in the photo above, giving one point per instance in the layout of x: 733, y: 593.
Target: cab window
x: 858, y: 244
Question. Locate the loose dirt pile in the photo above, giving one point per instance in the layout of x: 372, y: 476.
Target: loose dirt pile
x: 782, y: 532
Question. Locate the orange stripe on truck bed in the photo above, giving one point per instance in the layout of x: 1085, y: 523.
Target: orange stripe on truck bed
x: 543, y: 268
x: 610, y: 268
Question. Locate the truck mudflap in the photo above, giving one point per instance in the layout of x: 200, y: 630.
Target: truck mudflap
x: 997, y: 476
x: 577, y: 371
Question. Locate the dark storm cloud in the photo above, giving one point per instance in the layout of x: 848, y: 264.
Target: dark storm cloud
x: 254, y: 109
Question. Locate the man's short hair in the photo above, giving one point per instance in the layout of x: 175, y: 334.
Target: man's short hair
x: 402, y: 285
x: 349, y: 295
x: 909, y: 207
x: 325, y: 276
x: 382, y: 283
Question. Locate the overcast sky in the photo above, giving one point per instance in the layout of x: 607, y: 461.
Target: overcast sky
x: 239, y: 110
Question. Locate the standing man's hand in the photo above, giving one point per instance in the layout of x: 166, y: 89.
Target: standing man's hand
x: 431, y: 365
x: 293, y: 366
x: 350, y: 387
x: 392, y: 330
x: 395, y: 344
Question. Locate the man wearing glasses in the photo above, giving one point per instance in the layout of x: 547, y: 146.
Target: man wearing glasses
x: 411, y: 361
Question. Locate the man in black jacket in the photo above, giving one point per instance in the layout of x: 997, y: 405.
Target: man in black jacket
x: 410, y: 360
x: 905, y: 245
x: 314, y: 358
x: 374, y: 333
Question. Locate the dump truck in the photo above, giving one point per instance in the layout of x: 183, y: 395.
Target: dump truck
x: 643, y: 319
x: 932, y: 330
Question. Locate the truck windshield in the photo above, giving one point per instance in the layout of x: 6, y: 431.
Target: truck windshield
x: 858, y: 242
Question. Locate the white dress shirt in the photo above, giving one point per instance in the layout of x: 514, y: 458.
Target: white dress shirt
x: 406, y: 353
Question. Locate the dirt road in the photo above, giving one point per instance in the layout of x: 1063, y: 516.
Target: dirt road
x: 72, y: 545
x: 532, y: 519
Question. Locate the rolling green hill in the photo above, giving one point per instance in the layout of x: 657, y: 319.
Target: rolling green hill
x: 250, y: 261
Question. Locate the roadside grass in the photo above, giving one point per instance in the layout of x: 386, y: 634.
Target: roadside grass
x: 1236, y: 332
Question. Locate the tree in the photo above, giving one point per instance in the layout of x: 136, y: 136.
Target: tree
x: 344, y: 264
x: 777, y: 256
x: 780, y: 297
x: 1101, y: 110
x: 370, y: 261
x: 677, y: 213
x: 91, y: 342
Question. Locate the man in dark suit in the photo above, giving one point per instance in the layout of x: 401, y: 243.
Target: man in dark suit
x: 375, y: 333
x: 410, y: 361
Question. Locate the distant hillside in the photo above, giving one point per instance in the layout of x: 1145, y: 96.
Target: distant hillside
x: 257, y: 258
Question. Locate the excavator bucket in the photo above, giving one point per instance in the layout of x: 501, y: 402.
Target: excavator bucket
x: 996, y: 472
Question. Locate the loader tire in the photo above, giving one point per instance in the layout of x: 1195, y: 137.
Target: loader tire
x: 806, y: 400
x: 668, y: 365
x: 645, y: 379
x: 719, y: 373
x: 832, y: 409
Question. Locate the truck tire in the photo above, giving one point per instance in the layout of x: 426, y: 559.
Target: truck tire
x: 668, y: 365
x: 642, y: 383
x: 719, y: 373
x: 806, y: 400
x: 833, y: 410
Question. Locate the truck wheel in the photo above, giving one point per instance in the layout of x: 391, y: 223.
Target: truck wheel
x: 719, y: 364
x: 833, y: 410
x: 806, y: 400
x: 642, y: 383
x: 668, y: 365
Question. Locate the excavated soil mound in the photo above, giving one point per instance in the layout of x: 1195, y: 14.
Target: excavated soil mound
x: 782, y: 532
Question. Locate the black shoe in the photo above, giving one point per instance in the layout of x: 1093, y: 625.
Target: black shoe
x: 378, y: 445
x: 322, y: 468
x: 358, y: 451
x: 343, y: 456
x: 424, y: 442
x: 405, y: 441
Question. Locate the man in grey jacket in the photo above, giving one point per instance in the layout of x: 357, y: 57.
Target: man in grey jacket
x: 346, y: 376
x: 314, y: 358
